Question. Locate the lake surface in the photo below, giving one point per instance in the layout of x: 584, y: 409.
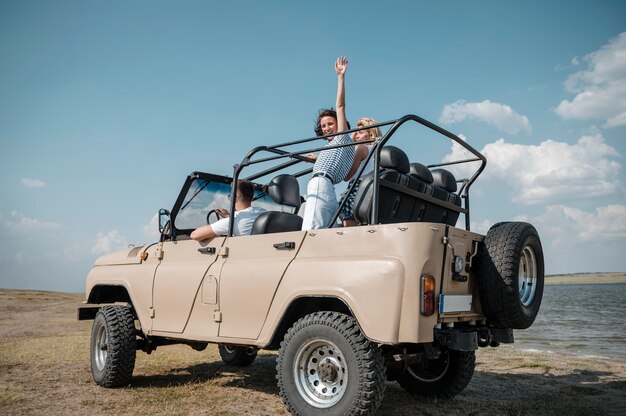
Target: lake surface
x: 579, y: 319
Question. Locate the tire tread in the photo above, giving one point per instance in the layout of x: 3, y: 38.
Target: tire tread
x: 369, y: 357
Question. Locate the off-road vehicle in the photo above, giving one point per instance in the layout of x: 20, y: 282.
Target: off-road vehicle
x: 405, y: 296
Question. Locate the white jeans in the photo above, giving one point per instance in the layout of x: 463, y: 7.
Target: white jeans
x: 321, y: 203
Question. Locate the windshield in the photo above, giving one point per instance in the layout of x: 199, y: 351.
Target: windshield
x: 203, y: 196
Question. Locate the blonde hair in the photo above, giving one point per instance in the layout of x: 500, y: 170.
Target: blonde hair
x: 365, y: 121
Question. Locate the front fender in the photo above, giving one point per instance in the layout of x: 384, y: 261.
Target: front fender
x: 136, y: 279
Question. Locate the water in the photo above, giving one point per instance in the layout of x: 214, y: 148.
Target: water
x: 581, y: 320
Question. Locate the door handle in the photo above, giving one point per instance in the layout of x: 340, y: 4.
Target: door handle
x: 207, y: 250
x: 287, y: 245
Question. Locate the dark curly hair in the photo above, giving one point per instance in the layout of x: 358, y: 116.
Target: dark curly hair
x: 325, y: 112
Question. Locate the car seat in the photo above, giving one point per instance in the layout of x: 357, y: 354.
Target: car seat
x: 284, y: 190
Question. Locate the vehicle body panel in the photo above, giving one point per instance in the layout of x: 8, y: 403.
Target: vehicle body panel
x: 177, y: 282
x: 241, y: 294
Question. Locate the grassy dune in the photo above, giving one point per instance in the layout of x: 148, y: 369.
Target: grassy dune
x: 44, y: 369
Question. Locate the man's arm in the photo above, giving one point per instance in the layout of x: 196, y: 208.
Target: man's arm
x: 202, y: 233
x: 340, y: 67
x: 210, y: 230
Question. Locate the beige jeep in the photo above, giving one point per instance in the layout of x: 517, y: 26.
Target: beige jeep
x: 405, y: 296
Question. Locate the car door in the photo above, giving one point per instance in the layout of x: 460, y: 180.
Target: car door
x: 184, y: 279
x: 249, y: 278
x: 178, y: 284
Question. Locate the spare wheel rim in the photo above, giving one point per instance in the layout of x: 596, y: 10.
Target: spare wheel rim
x: 527, y: 277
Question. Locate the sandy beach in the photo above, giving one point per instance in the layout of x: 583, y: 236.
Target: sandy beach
x: 44, y: 369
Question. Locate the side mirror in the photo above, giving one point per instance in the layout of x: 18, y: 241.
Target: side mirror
x: 164, y: 221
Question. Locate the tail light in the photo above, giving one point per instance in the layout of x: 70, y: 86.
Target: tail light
x: 427, y: 302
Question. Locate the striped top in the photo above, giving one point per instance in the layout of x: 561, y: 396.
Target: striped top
x: 336, y: 163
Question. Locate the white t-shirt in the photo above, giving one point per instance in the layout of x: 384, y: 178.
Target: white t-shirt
x: 244, y: 220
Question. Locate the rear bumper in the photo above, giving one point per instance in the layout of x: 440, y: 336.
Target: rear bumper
x: 469, y: 339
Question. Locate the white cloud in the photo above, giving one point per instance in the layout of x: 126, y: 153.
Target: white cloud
x: 151, y: 229
x: 108, y: 242
x: 498, y: 115
x: 19, y: 223
x: 550, y: 171
x: 601, y: 88
x: 33, y: 183
x: 575, y: 240
x: 480, y: 227
x: 564, y: 225
x: 458, y: 152
x: 74, y: 252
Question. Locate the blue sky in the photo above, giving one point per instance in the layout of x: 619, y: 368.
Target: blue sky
x: 105, y: 107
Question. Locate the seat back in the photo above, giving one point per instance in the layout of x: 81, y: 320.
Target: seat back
x: 406, y: 192
x: 444, y: 188
x: 285, y: 190
x: 394, y: 206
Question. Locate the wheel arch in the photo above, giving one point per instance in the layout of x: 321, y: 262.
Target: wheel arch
x: 109, y: 294
x: 102, y: 295
x: 302, y: 306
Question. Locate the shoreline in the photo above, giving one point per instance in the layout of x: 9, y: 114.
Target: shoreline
x: 573, y: 355
x: 585, y: 278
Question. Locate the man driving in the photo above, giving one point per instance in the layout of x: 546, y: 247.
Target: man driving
x: 245, y: 214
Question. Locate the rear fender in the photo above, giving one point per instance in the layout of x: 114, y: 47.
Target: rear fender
x: 374, y: 296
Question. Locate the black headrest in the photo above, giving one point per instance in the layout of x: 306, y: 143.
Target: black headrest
x: 285, y: 190
x: 444, y: 179
x: 421, y: 172
x: 393, y: 158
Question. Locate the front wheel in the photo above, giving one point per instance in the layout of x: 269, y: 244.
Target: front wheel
x: 326, y: 365
x: 443, y: 377
x: 113, y: 346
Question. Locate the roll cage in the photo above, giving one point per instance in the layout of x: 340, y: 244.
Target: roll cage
x: 279, y: 152
x: 282, y: 151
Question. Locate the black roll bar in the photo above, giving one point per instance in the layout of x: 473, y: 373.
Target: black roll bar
x: 297, y: 157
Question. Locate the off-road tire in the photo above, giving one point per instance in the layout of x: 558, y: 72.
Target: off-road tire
x: 327, y: 350
x: 511, y: 275
x: 237, y: 356
x: 113, y: 346
x: 444, y: 377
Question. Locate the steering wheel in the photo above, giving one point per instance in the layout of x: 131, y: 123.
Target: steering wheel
x: 208, y: 216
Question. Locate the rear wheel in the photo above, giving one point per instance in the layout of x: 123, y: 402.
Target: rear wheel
x: 511, y: 275
x: 113, y: 346
x: 237, y: 355
x: 443, y: 377
x: 326, y: 366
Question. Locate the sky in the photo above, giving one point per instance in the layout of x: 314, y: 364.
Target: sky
x: 105, y: 107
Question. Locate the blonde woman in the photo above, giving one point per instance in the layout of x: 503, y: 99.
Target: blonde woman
x: 346, y: 216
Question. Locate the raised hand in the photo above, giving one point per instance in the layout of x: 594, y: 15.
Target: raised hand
x: 341, y: 64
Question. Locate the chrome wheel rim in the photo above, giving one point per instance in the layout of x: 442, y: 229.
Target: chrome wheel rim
x: 320, y: 373
x: 527, y: 277
x: 100, y: 348
x: 230, y: 349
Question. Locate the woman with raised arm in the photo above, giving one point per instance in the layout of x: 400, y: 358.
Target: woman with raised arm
x: 333, y: 165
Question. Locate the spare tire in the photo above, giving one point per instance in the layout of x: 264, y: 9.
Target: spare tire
x: 510, y: 275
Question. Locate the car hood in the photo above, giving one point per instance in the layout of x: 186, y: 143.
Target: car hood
x: 128, y: 256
